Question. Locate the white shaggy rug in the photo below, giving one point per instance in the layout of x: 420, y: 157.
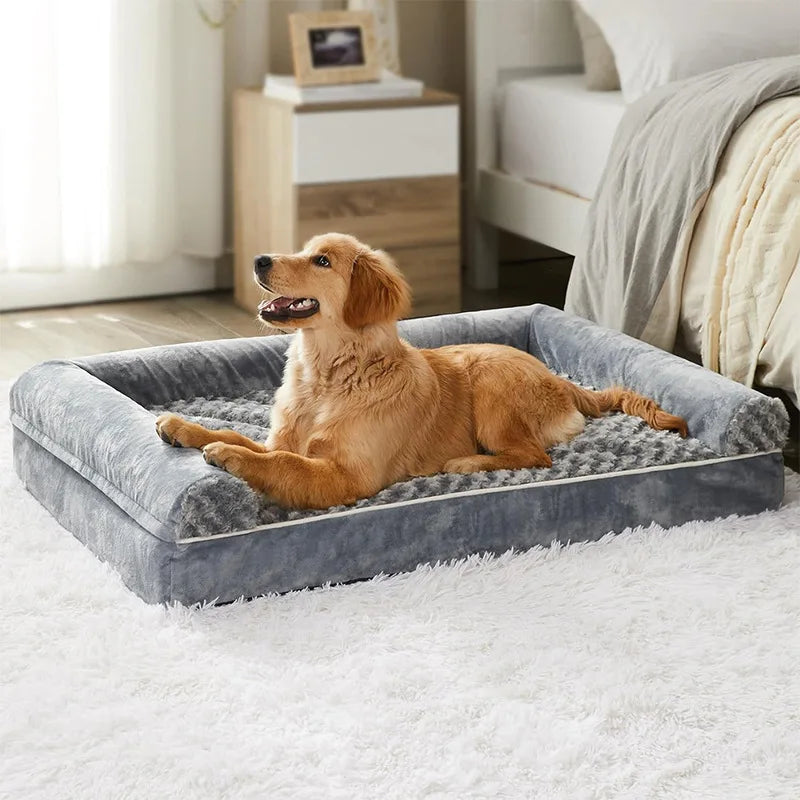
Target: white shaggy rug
x: 653, y: 664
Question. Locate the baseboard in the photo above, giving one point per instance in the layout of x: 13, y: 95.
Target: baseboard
x: 178, y: 275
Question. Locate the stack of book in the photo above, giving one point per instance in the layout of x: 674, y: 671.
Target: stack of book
x: 389, y: 87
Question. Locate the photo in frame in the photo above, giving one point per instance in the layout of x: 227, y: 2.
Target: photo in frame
x: 330, y: 47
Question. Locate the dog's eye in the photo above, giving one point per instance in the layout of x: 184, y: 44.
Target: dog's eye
x: 322, y: 261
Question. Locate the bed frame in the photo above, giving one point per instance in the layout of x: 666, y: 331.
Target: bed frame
x: 509, y: 39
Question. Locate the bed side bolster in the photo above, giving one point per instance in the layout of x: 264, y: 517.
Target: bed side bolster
x: 157, y: 375
x: 726, y: 416
x: 497, y: 326
x: 108, y: 439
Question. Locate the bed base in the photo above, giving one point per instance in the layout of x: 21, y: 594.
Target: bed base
x: 540, y: 213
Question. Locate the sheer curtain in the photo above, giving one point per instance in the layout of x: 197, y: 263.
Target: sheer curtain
x: 111, y: 122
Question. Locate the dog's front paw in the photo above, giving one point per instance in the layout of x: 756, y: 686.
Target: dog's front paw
x: 224, y: 456
x: 169, y: 427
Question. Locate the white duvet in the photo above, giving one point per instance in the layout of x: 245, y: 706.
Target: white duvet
x: 740, y: 301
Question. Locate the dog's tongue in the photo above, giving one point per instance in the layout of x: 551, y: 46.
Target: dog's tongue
x: 278, y: 304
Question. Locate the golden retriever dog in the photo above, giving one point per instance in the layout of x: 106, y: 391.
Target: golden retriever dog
x: 360, y: 408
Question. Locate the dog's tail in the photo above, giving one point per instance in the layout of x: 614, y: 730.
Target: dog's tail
x: 595, y: 403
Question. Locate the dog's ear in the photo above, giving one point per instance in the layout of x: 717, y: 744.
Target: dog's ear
x: 378, y: 291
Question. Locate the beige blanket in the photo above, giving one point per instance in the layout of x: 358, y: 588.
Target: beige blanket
x: 698, y: 208
x: 740, y: 301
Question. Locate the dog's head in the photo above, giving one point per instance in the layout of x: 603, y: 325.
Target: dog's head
x: 333, y: 280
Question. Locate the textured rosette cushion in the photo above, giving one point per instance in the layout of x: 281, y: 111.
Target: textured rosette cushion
x: 177, y: 529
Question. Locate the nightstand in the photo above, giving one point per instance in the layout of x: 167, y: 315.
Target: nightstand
x: 386, y: 172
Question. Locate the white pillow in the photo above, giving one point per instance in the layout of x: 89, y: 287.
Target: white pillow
x: 598, y: 60
x: 658, y: 41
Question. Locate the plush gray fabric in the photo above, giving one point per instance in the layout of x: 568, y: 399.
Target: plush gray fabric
x: 85, y: 445
x: 361, y: 543
x: 612, y: 444
x: 727, y: 417
x: 143, y: 561
x: 662, y: 162
x: 108, y: 439
x: 171, y: 491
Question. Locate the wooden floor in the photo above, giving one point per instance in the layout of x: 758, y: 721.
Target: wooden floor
x: 28, y: 337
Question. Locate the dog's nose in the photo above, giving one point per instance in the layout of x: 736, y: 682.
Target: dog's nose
x: 262, y: 264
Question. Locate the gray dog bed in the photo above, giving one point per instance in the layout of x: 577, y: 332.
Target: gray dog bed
x: 180, y: 530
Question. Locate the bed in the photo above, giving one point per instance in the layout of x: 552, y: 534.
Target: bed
x: 585, y: 171
x: 178, y: 530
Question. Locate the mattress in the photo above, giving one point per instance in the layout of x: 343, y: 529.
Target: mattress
x: 555, y: 132
x: 178, y: 530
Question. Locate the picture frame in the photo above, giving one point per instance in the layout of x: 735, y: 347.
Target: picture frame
x: 330, y: 47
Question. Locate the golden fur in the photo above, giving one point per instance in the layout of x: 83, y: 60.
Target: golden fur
x: 359, y: 408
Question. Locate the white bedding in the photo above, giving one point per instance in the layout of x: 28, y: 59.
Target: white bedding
x: 555, y: 132
x: 655, y: 42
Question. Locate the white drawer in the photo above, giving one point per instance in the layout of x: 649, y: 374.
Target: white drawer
x: 334, y: 146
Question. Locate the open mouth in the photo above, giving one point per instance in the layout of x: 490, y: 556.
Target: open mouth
x: 287, y: 308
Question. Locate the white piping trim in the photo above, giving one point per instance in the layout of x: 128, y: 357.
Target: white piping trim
x: 471, y: 493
